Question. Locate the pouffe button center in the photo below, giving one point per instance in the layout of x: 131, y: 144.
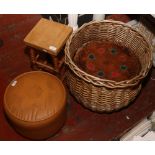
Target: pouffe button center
x: 35, y: 104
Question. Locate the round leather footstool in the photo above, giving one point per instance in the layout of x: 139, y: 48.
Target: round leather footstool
x: 35, y: 104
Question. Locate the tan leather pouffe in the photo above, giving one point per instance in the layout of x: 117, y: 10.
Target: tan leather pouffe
x: 35, y: 104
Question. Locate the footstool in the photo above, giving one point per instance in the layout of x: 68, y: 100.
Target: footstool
x: 35, y: 104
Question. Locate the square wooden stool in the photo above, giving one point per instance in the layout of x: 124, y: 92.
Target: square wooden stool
x: 47, y: 38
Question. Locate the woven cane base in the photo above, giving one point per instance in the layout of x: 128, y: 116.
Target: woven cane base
x: 100, y: 99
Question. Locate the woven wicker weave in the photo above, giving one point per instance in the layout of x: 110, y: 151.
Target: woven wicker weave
x: 101, y: 94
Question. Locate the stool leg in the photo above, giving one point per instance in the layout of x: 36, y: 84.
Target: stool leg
x: 33, y: 59
x: 32, y: 55
x: 55, y: 63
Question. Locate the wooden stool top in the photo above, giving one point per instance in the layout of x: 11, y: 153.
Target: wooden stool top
x: 48, y: 36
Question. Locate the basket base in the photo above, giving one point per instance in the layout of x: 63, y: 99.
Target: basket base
x: 100, y: 99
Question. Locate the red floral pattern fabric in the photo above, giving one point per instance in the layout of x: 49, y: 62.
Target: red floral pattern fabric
x: 106, y: 60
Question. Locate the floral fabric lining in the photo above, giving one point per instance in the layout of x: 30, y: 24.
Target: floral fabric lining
x: 106, y: 60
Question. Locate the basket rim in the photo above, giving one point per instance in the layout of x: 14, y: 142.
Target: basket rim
x: 103, y: 82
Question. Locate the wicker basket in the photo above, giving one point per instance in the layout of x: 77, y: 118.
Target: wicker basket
x: 101, y: 94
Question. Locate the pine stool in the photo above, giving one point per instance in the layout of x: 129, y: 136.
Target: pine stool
x: 35, y: 104
x: 45, y: 40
